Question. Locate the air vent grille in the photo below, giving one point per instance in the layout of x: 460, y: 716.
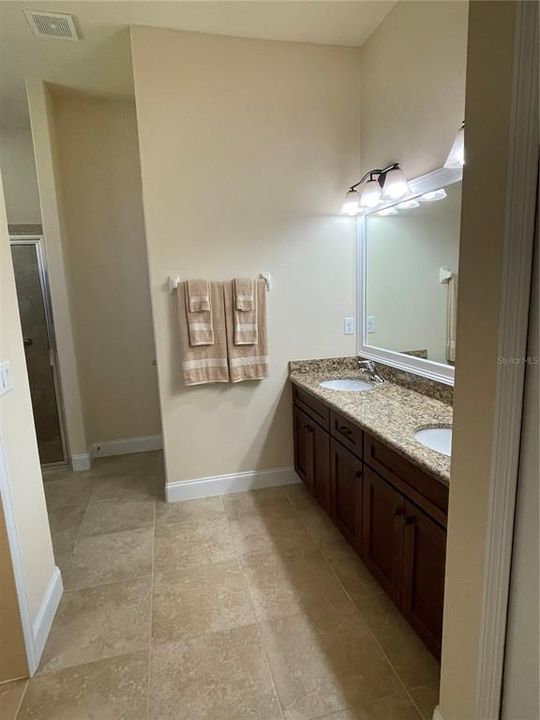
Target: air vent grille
x: 51, y: 24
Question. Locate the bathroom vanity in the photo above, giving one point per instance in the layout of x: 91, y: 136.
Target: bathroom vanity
x: 387, y: 493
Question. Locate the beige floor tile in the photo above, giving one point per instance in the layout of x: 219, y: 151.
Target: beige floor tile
x: 11, y: 694
x: 325, y: 660
x: 66, y: 519
x: 193, y: 543
x: 300, y: 496
x: 189, y: 510
x: 271, y: 502
x: 351, y: 571
x: 221, y: 676
x: 254, y: 534
x: 426, y: 699
x: 397, y: 707
x: 120, y: 487
x: 112, y: 689
x: 106, y: 516
x: 282, y: 585
x: 148, y: 464
x: 320, y: 526
x: 110, y: 558
x: 99, y: 622
x: 189, y: 603
x: 68, y: 492
x: 408, y: 655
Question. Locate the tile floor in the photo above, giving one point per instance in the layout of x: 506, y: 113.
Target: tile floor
x: 248, y: 606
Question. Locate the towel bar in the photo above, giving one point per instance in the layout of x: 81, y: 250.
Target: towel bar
x: 174, y: 280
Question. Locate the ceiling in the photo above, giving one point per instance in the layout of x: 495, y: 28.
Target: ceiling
x: 101, y: 61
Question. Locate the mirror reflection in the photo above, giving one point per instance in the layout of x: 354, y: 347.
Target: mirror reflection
x: 411, y: 274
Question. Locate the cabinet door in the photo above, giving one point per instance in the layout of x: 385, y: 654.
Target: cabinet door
x: 312, y: 456
x: 382, y: 544
x: 346, y: 477
x: 424, y: 557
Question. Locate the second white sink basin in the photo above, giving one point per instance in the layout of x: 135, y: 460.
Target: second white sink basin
x: 349, y: 385
x: 436, y: 438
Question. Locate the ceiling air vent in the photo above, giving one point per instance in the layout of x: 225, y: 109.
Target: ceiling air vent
x: 52, y: 24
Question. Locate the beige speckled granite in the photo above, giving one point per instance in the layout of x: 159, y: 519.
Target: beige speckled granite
x: 425, y: 386
x: 390, y: 412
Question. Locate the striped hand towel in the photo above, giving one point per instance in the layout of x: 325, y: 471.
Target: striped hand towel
x: 198, y: 312
x: 204, y: 363
x: 245, y: 312
x: 247, y: 362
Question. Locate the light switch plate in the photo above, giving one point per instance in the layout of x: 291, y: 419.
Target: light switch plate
x: 371, y: 324
x: 349, y: 326
x: 5, y: 378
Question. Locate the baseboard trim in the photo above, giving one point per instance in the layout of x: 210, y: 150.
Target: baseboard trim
x: 235, y: 482
x: 80, y: 462
x: 46, y: 614
x: 145, y: 443
x: 437, y: 715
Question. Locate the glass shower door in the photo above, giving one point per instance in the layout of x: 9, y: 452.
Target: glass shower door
x: 30, y: 281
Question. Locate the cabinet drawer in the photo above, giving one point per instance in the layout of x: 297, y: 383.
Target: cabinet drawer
x: 316, y: 409
x: 346, y: 432
x: 427, y: 492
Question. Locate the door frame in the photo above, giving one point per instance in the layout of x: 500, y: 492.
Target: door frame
x: 37, y: 241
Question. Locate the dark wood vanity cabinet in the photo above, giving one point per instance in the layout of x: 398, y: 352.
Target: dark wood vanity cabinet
x: 312, y: 456
x: 346, y: 472
x: 392, y: 513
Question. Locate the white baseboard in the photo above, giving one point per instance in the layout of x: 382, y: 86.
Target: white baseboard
x: 45, y: 616
x: 144, y: 443
x: 235, y: 482
x: 437, y: 715
x: 80, y: 462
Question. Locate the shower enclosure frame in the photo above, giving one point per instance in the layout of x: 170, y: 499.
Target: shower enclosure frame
x: 37, y: 241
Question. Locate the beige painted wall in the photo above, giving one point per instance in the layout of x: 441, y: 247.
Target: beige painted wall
x: 40, y: 106
x: 107, y: 265
x: 413, y: 81
x: 246, y: 148
x: 19, y: 172
x: 488, y: 103
x: 18, y: 438
x: 404, y: 294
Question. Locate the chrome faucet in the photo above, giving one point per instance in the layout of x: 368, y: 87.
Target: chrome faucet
x: 369, y: 367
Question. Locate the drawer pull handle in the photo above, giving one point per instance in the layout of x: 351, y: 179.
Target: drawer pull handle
x: 344, y: 429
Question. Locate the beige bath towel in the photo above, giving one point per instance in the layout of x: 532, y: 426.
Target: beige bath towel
x: 451, y: 319
x: 245, y: 317
x: 244, y: 294
x: 247, y: 362
x: 199, y: 295
x: 205, y: 363
x: 198, y: 312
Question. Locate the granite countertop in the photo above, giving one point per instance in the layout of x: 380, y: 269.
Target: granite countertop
x: 390, y: 412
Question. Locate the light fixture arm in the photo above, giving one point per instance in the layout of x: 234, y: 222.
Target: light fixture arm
x: 370, y: 173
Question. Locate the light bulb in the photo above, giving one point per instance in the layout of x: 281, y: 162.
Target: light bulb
x: 351, y: 204
x: 408, y: 204
x: 456, y: 156
x: 371, y: 194
x: 395, y: 185
x: 433, y: 195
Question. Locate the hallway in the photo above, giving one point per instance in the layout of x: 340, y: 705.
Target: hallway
x: 243, y: 606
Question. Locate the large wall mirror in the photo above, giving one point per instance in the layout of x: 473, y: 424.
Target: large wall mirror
x: 408, y: 262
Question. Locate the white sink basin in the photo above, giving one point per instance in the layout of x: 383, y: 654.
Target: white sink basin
x: 437, y: 438
x: 346, y: 385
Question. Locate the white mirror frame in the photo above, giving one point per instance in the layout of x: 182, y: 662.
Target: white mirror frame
x: 419, y: 366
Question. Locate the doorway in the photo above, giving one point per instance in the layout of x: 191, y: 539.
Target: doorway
x: 39, y: 346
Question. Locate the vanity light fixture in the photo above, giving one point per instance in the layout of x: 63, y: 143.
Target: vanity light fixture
x: 433, y: 195
x: 456, y: 156
x: 408, y: 205
x: 386, y: 184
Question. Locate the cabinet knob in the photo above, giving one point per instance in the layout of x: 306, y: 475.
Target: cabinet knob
x: 398, y: 512
x: 345, y: 430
